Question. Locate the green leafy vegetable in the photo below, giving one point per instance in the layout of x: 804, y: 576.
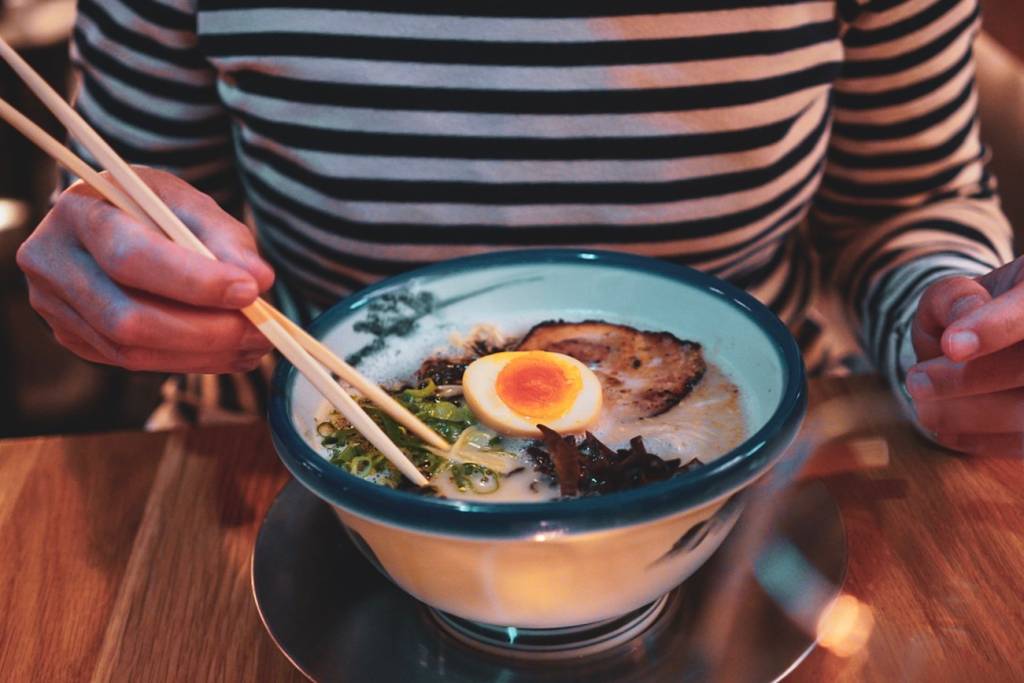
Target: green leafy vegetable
x: 472, y: 477
x: 426, y: 391
x: 447, y: 418
x: 474, y: 464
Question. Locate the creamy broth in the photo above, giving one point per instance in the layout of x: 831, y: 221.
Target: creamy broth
x: 707, y: 423
x: 526, y: 486
x: 704, y: 425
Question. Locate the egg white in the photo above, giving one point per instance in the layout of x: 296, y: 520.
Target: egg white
x: 479, y: 385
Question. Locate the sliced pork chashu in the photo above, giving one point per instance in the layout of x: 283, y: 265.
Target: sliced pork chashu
x: 643, y: 374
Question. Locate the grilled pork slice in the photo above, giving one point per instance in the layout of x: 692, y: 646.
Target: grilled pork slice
x: 643, y: 374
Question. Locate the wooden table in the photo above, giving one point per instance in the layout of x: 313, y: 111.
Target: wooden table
x: 126, y: 555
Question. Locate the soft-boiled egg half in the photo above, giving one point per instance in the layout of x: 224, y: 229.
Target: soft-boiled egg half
x: 514, y: 391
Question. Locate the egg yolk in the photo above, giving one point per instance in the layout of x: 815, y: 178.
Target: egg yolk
x: 534, y: 385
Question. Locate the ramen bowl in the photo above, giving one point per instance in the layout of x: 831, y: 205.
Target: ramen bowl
x: 565, y: 563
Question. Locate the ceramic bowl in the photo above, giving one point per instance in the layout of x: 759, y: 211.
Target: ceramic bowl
x: 561, y: 563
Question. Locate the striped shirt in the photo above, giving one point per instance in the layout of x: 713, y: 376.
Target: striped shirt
x: 764, y: 141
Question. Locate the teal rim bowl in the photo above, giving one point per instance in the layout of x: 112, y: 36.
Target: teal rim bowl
x: 689, y: 490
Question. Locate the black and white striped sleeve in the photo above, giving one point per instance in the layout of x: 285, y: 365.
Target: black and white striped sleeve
x: 906, y: 198
x: 144, y: 85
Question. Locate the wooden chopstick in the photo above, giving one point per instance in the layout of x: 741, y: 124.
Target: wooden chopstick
x: 142, y: 203
x: 70, y: 161
x: 365, y: 386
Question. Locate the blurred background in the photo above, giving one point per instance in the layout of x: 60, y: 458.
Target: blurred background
x: 44, y: 389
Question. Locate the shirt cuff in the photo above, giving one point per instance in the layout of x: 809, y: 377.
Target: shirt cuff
x: 906, y: 356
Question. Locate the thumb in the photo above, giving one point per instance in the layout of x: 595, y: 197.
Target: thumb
x: 942, y: 304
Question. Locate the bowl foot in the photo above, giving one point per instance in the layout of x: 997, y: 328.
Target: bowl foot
x: 554, y: 643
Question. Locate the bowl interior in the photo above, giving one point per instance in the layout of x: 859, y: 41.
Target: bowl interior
x: 426, y: 313
x: 387, y: 330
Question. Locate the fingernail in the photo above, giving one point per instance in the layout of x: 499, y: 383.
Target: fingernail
x: 919, y: 384
x: 240, y: 293
x: 963, y: 344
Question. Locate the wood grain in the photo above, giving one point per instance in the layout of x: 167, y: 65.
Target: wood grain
x: 192, y: 617
x: 936, y: 545
x: 129, y: 557
x: 126, y: 556
x: 68, y: 522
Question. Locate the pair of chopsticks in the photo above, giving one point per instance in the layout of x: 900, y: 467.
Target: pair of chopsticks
x: 138, y: 200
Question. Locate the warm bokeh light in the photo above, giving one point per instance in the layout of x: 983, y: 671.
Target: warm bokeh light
x: 845, y: 626
x: 13, y: 214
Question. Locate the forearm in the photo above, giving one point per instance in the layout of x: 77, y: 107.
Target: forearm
x: 906, y: 199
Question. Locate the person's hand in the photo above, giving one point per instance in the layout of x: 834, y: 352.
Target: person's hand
x: 116, y: 291
x: 968, y: 386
